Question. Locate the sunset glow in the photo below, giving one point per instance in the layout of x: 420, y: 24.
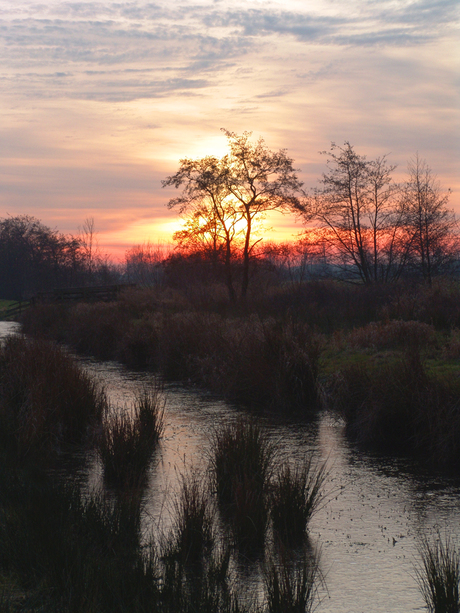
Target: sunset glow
x: 101, y: 100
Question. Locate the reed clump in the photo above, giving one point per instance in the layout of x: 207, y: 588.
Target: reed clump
x: 241, y: 462
x: 257, y: 360
x: 296, y: 495
x: 438, y: 575
x: 68, y: 552
x: 128, y: 439
x: 393, y: 334
x: 400, y: 406
x: 192, y: 536
x: 270, y: 364
x: 292, y: 586
x: 46, y: 399
x: 195, y: 558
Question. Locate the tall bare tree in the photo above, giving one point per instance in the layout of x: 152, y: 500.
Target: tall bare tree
x: 211, y: 219
x: 90, y: 247
x: 356, y: 206
x: 259, y: 180
x: 432, y: 227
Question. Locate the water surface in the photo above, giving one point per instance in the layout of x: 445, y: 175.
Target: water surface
x: 375, y: 509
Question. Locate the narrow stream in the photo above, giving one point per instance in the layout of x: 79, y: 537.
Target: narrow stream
x: 370, y: 524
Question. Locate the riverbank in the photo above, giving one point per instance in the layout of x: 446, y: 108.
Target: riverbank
x: 64, y: 548
x: 367, y: 532
x: 386, y: 359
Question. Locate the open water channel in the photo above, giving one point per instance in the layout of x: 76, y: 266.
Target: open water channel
x: 375, y: 510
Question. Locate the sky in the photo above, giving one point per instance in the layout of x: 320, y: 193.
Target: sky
x: 100, y: 100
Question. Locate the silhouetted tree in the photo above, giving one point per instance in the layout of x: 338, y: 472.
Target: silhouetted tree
x: 33, y: 257
x: 224, y: 198
x: 259, y: 180
x: 432, y: 229
x: 210, y: 215
x: 357, y: 210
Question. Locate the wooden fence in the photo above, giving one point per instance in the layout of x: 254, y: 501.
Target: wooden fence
x: 104, y: 293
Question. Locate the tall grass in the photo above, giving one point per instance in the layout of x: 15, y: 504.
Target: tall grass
x: 241, y: 462
x: 296, y: 495
x: 438, y: 575
x: 401, y: 407
x: 195, y: 557
x: 207, y: 589
x: 292, y: 586
x: 192, y: 536
x: 65, y: 552
x: 74, y: 554
x: 128, y: 438
x: 46, y: 399
x: 257, y: 360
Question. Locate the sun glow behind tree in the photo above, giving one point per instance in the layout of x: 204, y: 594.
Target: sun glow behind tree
x: 100, y: 100
x: 224, y: 199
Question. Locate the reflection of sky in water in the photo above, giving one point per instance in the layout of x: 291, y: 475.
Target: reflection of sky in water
x: 367, y: 529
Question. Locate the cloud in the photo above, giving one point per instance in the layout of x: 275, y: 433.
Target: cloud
x: 143, y: 83
x: 272, y: 94
x: 374, y: 23
x: 77, y: 40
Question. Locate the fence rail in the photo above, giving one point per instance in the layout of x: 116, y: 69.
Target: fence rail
x: 14, y: 309
x: 104, y: 293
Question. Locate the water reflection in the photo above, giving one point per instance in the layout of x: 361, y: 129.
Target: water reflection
x: 368, y: 528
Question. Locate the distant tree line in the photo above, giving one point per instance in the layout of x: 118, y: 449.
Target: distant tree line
x: 35, y: 258
x: 359, y: 225
x: 376, y: 230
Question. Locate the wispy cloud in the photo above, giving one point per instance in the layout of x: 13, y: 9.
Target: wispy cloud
x: 89, y: 82
x: 72, y: 39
